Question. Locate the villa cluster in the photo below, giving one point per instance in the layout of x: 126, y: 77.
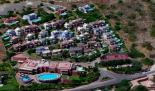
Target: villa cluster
x: 86, y: 37
x: 73, y: 39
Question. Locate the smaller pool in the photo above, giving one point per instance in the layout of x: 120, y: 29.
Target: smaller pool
x: 48, y: 76
x: 26, y: 79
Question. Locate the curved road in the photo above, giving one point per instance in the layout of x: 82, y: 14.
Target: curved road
x: 116, y: 78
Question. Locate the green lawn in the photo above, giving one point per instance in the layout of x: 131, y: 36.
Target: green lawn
x: 11, y: 85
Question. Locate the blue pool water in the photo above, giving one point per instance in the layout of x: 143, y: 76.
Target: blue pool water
x: 48, y: 76
x: 25, y: 78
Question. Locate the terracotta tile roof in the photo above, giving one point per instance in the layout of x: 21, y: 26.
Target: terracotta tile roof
x: 65, y: 66
x: 111, y: 57
x: 19, y: 58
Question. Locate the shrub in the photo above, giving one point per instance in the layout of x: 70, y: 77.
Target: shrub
x: 140, y: 88
x: 134, y: 53
x: 147, y: 61
x: 152, y: 32
x: 148, y: 46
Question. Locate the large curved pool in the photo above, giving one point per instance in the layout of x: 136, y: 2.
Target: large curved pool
x: 46, y: 77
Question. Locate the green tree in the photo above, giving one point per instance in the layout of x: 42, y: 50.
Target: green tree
x: 134, y: 53
x: 124, y: 85
x: 148, y: 61
x: 140, y: 88
x: 118, y: 26
x: 152, y: 32
x: 75, y: 80
x: 30, y: 51
x: 148, y: 46
x: 65, y: 54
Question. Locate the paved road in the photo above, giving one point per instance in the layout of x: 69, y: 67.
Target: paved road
x: 18, y: 6
x: 116, y: 79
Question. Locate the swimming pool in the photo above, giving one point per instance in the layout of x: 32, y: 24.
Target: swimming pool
x: 26, y: 79
x: 44, y: 77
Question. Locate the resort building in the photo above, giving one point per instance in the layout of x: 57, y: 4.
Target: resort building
x: 31, y: 29
x: 19, y: 32
x: 15, y: 40
x: 59, y: 10
x: 73, y: 23
x: 86, y: 8
x: 57, y: 52
x: 32, y: 18
x: 67, y: 44
x: 39, y: 66
x: 10, y: 21
x: 20, y: 58
x: 65, y: 68
x: 30, y: 36
x: 111, y: 57
x: 54, y: 25
x: 43, y: 34
x: 75, y: 51
x: 62, y: 35
x: 47, y: 26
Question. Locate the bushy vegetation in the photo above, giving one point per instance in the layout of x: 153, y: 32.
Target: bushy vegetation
x: 147, y: 61
x: 132, y: 66
x: 4, y: 1
x: 140, y: 88
x: 10, y: 83
x: 26, y: 11
x: 90, y: 17
x: 114, y: 63
x: 124, y: 85
x: 30, y: 51
x: 86, y: 58
x: 152, y: 32
x: 45, y: 17
x: 148, y: 46
x: 134, y: 53
x: 136, y: 67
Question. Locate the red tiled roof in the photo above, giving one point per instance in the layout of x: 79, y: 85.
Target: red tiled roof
x: 65, y: 65
x: 7, y: 20
x: 19, y: 58
x: 53, y: 65
x: 111, y: 57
